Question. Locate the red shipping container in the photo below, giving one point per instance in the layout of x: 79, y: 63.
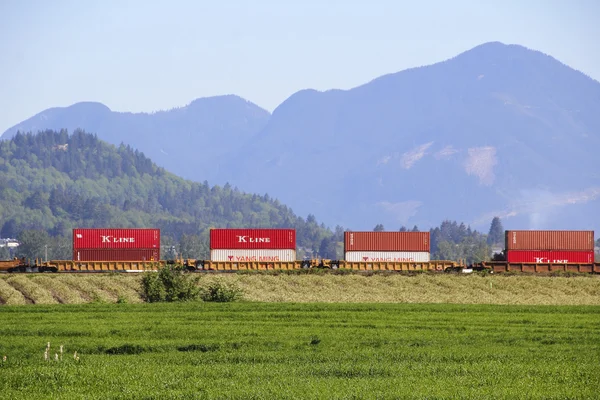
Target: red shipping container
x: 549, y: 257
x: 110, y: 238
x: 386, y: 241
x: 116, y: 254
x: 272, y: 239
x: 549, y: 240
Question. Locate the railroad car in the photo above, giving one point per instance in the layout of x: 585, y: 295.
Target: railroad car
x: 275, y: 249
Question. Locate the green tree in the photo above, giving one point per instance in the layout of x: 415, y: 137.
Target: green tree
x: 10, y: 229
x: 496, y: 234
x: 447, y: 251
x: 4, y: 253
x: 474, y: 250
x: 379, y: 228
x: 190, y: 246
x: 328, y: 249
x: 60, y: 248
x: 33, y: 244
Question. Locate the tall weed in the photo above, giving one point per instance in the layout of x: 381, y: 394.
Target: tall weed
x: 171, y: 283
x: 221, y: 292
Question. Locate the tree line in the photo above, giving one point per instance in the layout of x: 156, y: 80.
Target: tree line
x: 457, y: 241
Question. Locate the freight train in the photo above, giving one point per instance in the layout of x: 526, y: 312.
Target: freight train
x: 138, y: 250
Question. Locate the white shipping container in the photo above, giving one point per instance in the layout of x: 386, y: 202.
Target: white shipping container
x: 389, y: 256
x: 253, y: 255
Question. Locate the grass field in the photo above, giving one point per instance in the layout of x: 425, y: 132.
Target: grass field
x: 304, y: 351
x: 356, y: 288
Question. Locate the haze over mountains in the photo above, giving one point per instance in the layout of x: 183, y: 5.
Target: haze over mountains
x: 190, y: 141
x: 497, y: 130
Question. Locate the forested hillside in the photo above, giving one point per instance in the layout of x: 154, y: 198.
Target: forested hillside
x: 54, y: 181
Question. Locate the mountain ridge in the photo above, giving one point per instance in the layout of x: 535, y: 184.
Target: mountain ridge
x: 218, y: 122
x: 409, y: 107
x: 86, y: 106
x: 466, y: 138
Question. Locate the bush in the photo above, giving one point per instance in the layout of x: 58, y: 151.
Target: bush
x: 169, y: 284
x: 221, y: 292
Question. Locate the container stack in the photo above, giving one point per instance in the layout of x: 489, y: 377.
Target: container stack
x: 253, y: 245
x: 387, y: 246
x: 115, y: 244
x: 549, y: 247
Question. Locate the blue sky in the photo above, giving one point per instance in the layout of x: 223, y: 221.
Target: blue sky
x: 151, y: 55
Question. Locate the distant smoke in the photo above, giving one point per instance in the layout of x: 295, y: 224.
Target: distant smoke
x: 541, y: 206
x: 384, y: 160
x: 402, y: 211
x: 481, y: 162
x: 446, y: 153
x: 411, y: 157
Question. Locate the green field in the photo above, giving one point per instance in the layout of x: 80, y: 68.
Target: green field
x: 306, y: 351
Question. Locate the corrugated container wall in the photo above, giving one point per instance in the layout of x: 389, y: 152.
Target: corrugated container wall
x: 116, y: 254
x: 386, y: 241
x: 549, y: 240
x: 390, y: 256
x: 549, y: 257
x: 252, y: 255
x: 272, y: 239
x: 109, y: 238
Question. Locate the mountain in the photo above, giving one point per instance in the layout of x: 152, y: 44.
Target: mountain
x: 55, y: 181
x: 497, y: 130
x: 190, y: 141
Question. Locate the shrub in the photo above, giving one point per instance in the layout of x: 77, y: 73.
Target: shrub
x: 170, y: 284
x: 221, y: 292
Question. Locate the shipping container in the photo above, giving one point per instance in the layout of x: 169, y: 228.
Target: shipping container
x: 549, y: 240
x: 252, y: 255
x: 386, y: 241
x: 549, y: 256
x: 109, y: 238
x: 248, y: 239
x: 116, y: 254
x: 387, y: 256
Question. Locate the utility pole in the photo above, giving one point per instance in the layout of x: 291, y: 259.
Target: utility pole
x: 46, y: 252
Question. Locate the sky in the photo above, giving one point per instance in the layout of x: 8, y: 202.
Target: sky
x: 144, y: 56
